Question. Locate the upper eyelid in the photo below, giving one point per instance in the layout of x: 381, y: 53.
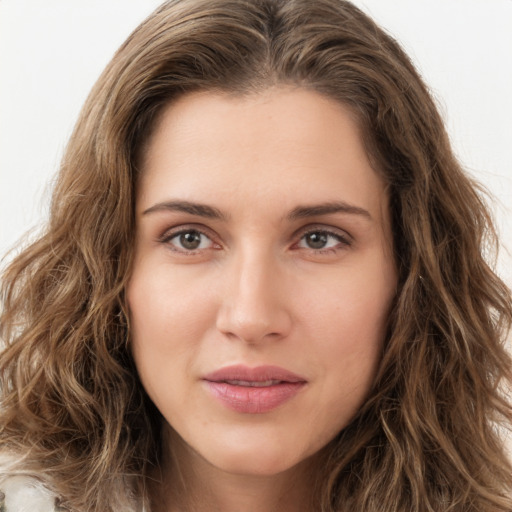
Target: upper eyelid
x: 172, y: 233
x: 331, y: 230
x: 298, y: 234
x: 183, y: 228
x: 342, y: 242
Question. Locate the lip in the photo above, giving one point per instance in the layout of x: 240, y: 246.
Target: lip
x: 253, y: 390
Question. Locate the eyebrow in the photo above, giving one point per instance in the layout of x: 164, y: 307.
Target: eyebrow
x: 201, y: 210
x: 299, y: 212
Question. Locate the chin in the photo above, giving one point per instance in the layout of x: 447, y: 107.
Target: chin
x: 252, y: 464
x: 255, y: 459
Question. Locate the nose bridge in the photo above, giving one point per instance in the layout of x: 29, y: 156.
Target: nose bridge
x: 252, y: 308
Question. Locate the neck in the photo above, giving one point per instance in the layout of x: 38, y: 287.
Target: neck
x: 190, y: 483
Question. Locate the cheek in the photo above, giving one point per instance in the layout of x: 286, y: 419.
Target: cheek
x: 352, y: 310
x: 168, y: 318
x: 350, y: 354
x: 353, y: 342
x: 162, y: 304
x: 349, y: 322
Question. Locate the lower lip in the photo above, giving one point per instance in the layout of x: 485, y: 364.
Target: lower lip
x: 254, y: 400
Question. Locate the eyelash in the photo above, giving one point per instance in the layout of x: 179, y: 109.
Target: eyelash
x: 343, y: 240
x: 168, y: 236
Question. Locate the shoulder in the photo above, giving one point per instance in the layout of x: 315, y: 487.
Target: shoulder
x: 20, y: 492
x: 23, y: 491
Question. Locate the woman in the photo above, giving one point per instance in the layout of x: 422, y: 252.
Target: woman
x: 262, y: 284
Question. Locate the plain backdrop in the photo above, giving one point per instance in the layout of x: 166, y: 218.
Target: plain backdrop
x: 52, y: 51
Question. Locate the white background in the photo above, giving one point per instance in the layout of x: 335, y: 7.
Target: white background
x: 52, y: 51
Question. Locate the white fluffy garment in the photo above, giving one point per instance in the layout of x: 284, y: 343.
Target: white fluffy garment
x: 26, y: 494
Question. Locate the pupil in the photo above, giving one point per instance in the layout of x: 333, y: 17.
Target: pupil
x: 317, y: 240
x: 190, y: 240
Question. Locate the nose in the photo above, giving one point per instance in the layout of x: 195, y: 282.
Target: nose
x: 254, y: 306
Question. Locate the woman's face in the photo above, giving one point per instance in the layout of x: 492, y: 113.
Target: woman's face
x: 263, y: 275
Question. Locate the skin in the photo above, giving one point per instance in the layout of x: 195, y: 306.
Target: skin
x: 269, y: 282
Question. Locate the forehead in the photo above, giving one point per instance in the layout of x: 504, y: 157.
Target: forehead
x: 282, y: 144
x: 291, y: 113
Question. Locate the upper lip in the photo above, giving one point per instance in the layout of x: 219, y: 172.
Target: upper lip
x: 256, y: 374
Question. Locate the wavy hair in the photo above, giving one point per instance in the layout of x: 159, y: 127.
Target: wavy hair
x: 429, y: 437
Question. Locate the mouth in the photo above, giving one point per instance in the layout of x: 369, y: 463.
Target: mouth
x: 254, y: 390
x: 253, y: 384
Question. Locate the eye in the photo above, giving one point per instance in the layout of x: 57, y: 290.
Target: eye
x: 188, y: 240
x: 322, y: 240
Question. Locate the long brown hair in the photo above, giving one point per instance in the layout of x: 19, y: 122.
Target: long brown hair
x: 429, y: 437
